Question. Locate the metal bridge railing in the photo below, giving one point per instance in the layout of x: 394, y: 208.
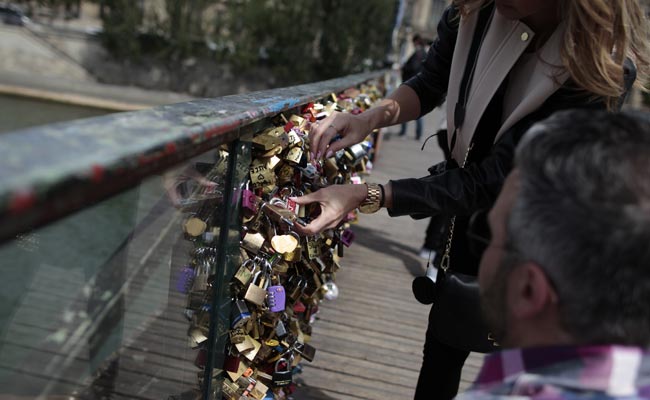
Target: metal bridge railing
x: 91, y: 247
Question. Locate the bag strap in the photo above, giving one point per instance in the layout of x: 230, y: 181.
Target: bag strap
x: 444, y: 262
x: 470, y: 67
x: 459, y: 111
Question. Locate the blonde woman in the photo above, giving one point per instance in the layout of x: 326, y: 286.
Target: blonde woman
x: 501, y: 65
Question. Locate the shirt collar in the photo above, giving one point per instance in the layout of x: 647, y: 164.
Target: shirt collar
x: 608, y: 368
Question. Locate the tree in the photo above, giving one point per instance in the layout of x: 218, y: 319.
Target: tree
x: 298, y: 41
x: 121, y: 21
x: 309, y: 39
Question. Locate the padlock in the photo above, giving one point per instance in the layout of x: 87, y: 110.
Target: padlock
x: 261, y: 175
x: 244, y: 273
x: 285, y: 174
x: 197, y: 337
x: 229, y: 390
x: 253, y: 242
x: 280, y: 330
x: 282, y: 376
x: 293, y: 286
x: 279, y: 215
x: 294, y: 137
x: 249, y: 200
x: 313, y: 284
x: 294, y: 155
x: 354, y: 154
x: 276, y: 297
x: 298, y: 121
x: 273, y: 162
x: 248, y: 383
x: 201, y: 358
x: 195, y: 227
x: 259, y: 391
x: 185, y: 279
x: 231, y: 363
x: 196, y: 299
x: 313, y: 247
x: 240, y: 314
x: 306, y: 350
x: 245, y: 346
x: 309, y: 172
x: 256, y: 292
x: 331, y: 290
x: 250, y: 354
x: 262, y: 354
x: 347, y: 237
x: 270, y: 139
x: 330, y: 168
x: 237, y: 335
x: 284, y: 244
x: 280, y: 267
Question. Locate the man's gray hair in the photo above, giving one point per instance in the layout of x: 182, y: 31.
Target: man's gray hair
x: 583, y: 214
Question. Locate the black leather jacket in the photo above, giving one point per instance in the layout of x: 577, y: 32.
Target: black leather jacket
x: 454, y: 191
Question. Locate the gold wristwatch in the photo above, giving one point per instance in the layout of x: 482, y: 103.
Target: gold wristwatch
x: 374, y: 199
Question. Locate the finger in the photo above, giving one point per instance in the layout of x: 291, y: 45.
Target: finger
x: 317, y: 131
x: 338, y: 145
x: 307, y: 199
x: 205, y: 182
x: 305, y: 230
x: 174, y: 197
x: 316, y: 226
x: 329, y: 135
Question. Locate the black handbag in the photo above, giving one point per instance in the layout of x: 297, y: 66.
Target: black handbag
x: 456, y: 318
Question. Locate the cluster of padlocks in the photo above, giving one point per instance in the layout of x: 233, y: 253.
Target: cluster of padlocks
x: 283, y: 275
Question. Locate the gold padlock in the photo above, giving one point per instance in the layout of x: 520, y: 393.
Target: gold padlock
x: 260, y: 174
x: 285, y: 174
x: 294, y: 155
x: 253, y: 242
x: 237, y: 335
x: 298, y: 121
x: 250, y: 354
x: 195, y: 227
x: 244, y: 273
x: 294, y: 139
x: 313, y: 247
x: 256, y: 292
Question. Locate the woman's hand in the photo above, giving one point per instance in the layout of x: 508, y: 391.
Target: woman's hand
x: 352, y: 129
x: 173, y: 182
x: 336, y: 202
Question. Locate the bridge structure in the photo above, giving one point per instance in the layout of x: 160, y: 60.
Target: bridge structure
x: 91, y: 246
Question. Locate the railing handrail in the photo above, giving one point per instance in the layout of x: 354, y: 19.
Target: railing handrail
x: 50, y: 171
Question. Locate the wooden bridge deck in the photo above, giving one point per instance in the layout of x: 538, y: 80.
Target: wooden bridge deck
x: 369, y: 341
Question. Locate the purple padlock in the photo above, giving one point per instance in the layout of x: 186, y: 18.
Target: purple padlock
x: 185, y: 279
x: 347, y: 237
x: 276, y: 296
x: 248, y: 200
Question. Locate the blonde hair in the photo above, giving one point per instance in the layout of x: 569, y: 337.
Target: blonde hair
x: 599, y: 35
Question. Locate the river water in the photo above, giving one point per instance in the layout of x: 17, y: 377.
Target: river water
x: 21, y: 112
x: 75, y: 292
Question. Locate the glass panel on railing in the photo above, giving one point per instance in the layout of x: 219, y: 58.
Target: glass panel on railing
x: 225, y: 315
x: 110, y: 302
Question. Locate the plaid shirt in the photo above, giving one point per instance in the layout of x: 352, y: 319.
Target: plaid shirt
x: 550, y: 373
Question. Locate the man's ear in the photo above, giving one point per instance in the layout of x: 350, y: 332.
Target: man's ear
x: 530, y: 291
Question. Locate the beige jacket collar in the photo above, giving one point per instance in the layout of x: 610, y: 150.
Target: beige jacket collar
x: 504, y: 43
